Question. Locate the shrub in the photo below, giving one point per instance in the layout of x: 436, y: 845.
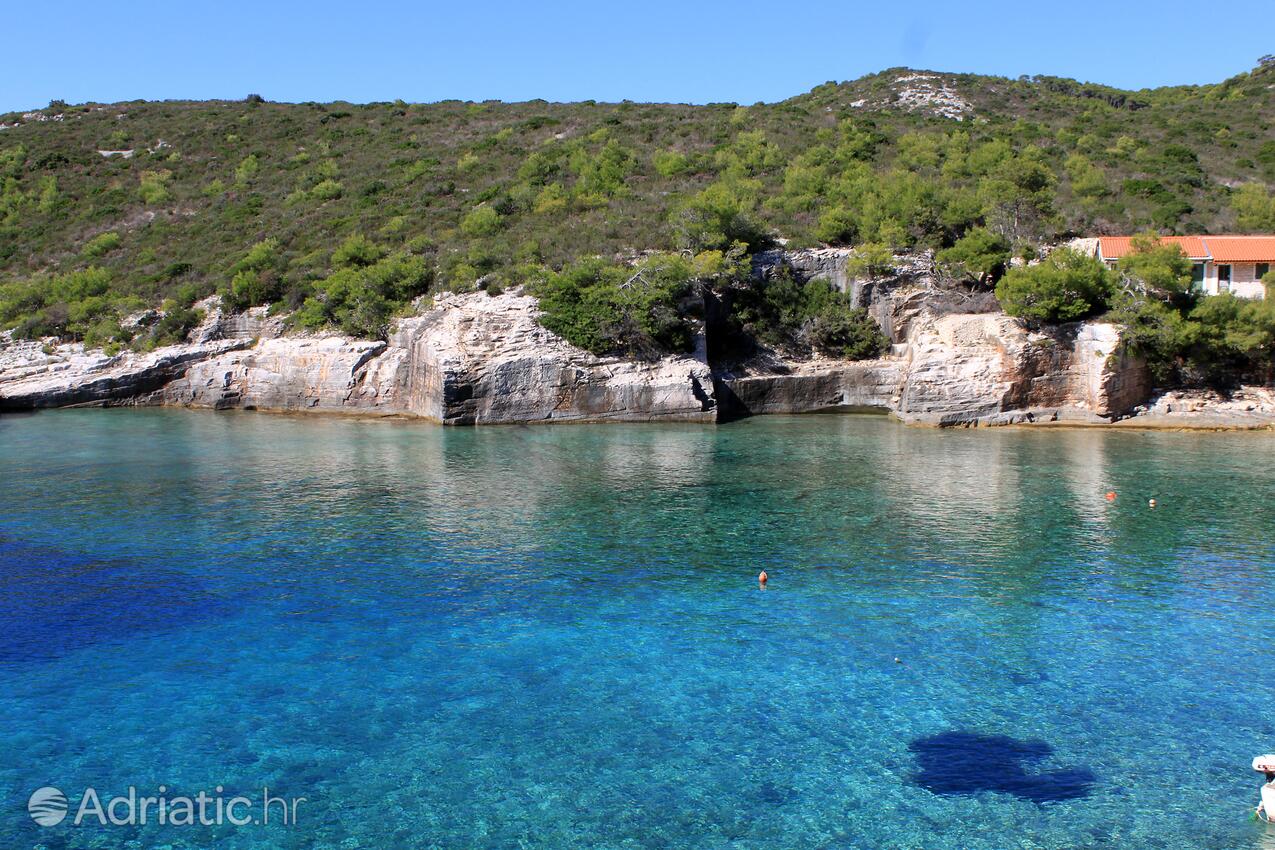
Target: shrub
x: 326, y: 190
x: 154, y: 186
x: 247, y: 170
x: 785, y: 313
x: 839, y: 330
x: 870, y: 260
x: 101, y: 244
x: 357, y: 251
x: 551, y: 200
x: 670, y: 163
x: 75, y: 305
x: 718, y: 217
x: 1064, y: 287
x: 255, y: 279
x: 979, y: 255
x: 1159, y: 267
x: 361, y: 300
x: 1254, y: 207
x: 606, y: 308
x: 480, y: 221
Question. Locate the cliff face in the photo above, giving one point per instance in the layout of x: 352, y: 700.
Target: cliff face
x: 470, y: 359
x: 477, y: 359
x: 989, y: 369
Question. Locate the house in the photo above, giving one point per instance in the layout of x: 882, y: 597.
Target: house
x: 1221, y: 263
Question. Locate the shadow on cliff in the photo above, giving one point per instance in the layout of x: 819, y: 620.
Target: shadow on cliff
x: 966, y: 763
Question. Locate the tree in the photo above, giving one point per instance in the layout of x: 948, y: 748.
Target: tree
x: 1018, y: 195
x: 1254, y: 207
x: 718, y: 217
x: 980, y: 255
x: 870, y: 260
x: 605, y: 308
x: 255, y: 279
x: 1064, y: 287
x: 357, y: 251
x: 480, y: 221
x: 1158, y: 268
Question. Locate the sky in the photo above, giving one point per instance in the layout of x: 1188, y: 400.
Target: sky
x: 649, y: 50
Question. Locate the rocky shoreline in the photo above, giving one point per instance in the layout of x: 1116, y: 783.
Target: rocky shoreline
x: 474, y: 358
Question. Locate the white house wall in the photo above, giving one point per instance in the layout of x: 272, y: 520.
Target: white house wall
x: 1244, y: 282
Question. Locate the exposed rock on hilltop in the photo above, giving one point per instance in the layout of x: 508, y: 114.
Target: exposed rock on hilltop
x: 928, y: 94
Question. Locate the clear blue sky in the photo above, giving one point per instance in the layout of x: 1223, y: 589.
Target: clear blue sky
x: 656, y: 50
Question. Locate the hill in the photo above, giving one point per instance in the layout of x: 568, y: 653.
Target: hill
x: 344, y: 212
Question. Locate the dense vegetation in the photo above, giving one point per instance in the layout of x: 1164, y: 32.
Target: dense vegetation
x: 1186, y: 338
x: 341, y: 214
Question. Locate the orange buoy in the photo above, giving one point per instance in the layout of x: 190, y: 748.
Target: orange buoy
x: 761, y: 579
x: 1111, y: 495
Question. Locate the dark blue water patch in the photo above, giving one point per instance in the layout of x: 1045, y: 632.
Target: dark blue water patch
x: 966, y: 763
x: 1021, y: 679
x: 54, y: 601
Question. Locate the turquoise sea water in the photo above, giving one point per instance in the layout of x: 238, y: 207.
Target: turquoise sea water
x: 554, y: 638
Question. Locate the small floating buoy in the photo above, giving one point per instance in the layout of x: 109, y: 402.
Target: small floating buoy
x: 761, y: 579
x: 1111, y: 495
x: 1151, y: 503
x: 896, y: 660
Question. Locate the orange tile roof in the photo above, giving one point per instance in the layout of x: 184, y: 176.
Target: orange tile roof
x: 1115, y: 247
x: 1241, y: 249
x: 1219, y: 249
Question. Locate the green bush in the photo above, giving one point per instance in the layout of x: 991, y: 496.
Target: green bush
x: 980, y: 255
x: 326, y: 190
x: 606, y: 308
x: 76, y: 305
x: 255, y: 279
x: 717, y: 218
x: 670, y: 163
x: 247, y: 170
x: 154, y: 186
x: 1064, y: 287
x: 782, y: 312
x: 362, y: 299
x: 1254, y: 208
x: 1159, y: 267
x: 101, y: 244
x: 870, y: 260
x: 357, y: 251
x: 480, y: 221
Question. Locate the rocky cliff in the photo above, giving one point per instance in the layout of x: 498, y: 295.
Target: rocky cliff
x: 467, y: 360
x: 477, y: 359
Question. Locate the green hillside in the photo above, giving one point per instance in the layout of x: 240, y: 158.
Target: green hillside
x: 255, y: 198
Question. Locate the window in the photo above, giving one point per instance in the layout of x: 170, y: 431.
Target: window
x: 1224, y: 278
x: 1197, y: 276
x: 1262, y: 270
